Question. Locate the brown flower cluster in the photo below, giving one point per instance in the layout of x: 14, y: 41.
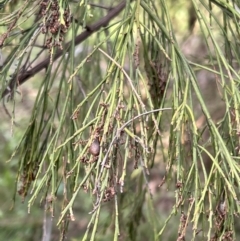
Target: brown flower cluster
x: 109, y: 194
x: 56, y: 22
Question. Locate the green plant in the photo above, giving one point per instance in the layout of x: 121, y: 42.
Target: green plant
x: 127, y: 85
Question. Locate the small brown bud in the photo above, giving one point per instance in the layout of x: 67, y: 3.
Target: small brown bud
x: 94, y: 149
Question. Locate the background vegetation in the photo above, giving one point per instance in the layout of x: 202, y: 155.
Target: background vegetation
x: 120, y: 120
